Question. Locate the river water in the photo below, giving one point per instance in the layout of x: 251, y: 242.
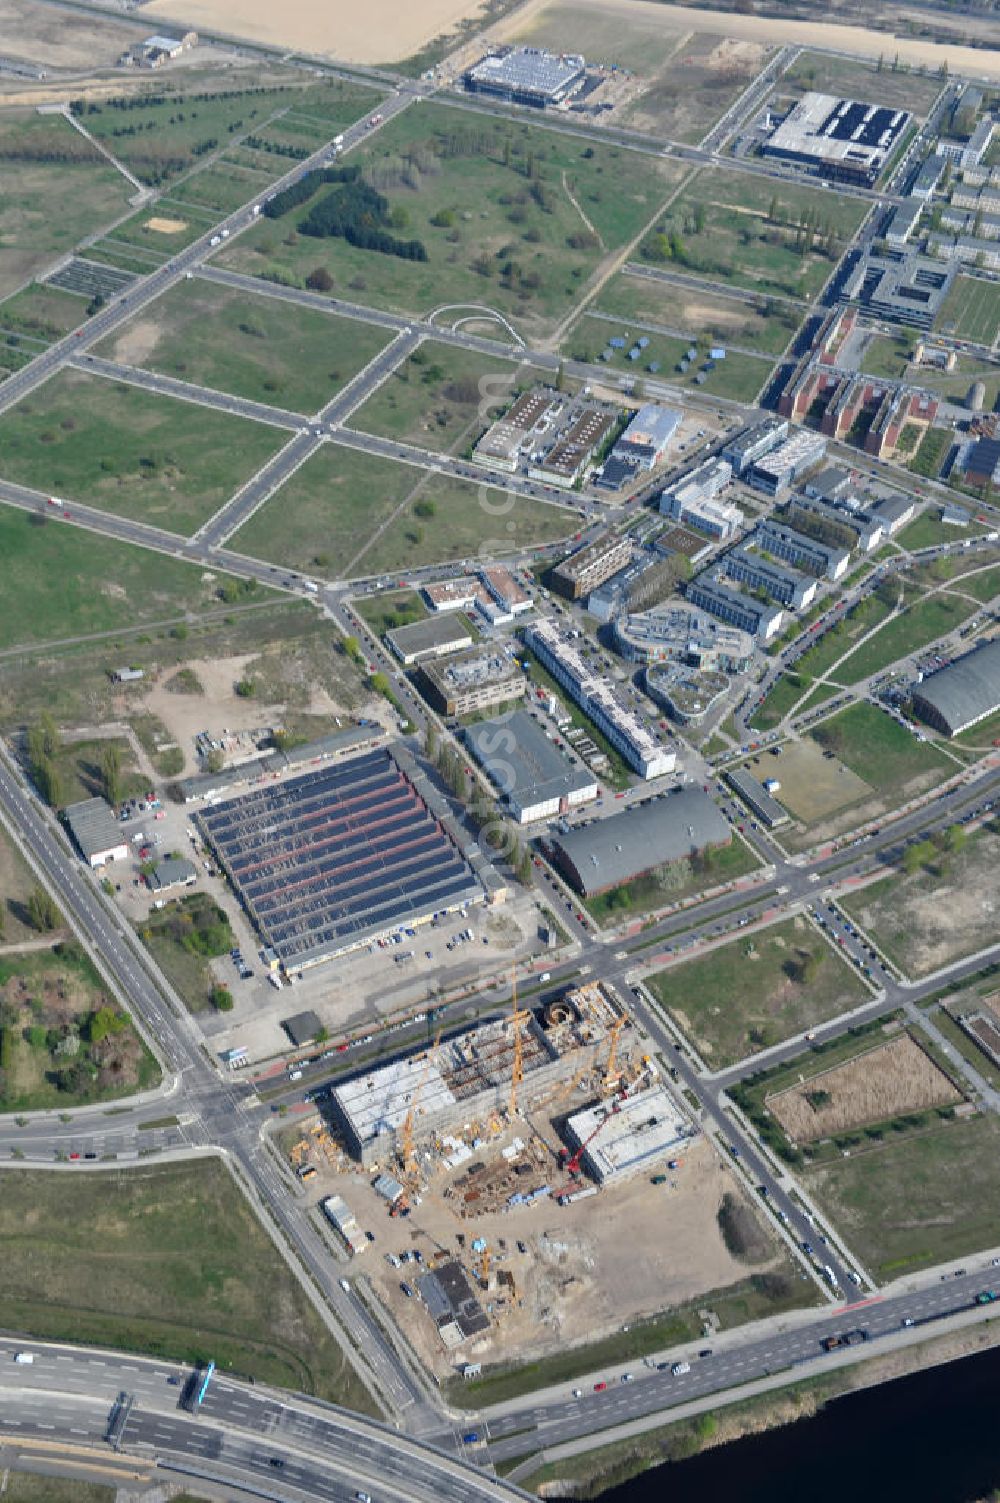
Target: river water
x: 933, y: 1437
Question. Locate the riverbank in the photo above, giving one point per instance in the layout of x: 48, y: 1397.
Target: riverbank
x: 592, y: 1473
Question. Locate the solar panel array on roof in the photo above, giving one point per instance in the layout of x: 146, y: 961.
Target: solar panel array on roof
x: 324, y: 861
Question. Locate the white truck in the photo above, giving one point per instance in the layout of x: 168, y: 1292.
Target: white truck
x: 24, y: 1357
x: 215, y: 240
x: 338, y: 142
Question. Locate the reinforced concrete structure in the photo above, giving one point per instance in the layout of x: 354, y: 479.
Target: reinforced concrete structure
x: 679, y: 633
x: 630, y: 1133
x: 527, y: 75
x: 757, y: 617
x: 591, y: 565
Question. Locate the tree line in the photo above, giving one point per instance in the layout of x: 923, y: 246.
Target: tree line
x: 301, y: 191
x: 358, y: 214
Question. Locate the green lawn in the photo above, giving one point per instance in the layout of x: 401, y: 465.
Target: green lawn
x: 441, y: 398
x: 256, y: 347
x: 44, y: 163
x: 834, y: 643
x: 43, y: 313
x: 912, y: 629
x: 971, y: 311
x: 328, y: 514
x: 881, y: 751
x: 782, y: 699
x: 157, y: 244
x: 512, y: 204
x: 738, y: 377
x: 916, y: 1200
x: 762, y: 323
x: 757, y: 990
x: 169, y: 1261
x: 222, y: 187
x: 59, y: 1049
x: 390, y: 609
x: 671, y: 883
x: 936, y: 915
x: 130, y: 451
x: 931, y: 452
x: 26, y: 1487
x: 77, y: 582
x: 928, y: 530
x: 721, y: 227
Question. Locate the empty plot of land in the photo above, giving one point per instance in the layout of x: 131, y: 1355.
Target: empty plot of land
x: 916, y: 1200
x: 42, y: 313
x: 509, y: 215
x: 256, y: 347
x: 923, y: 622
x: 948, y: 909
x: 888, y: 1081
x: 895, y: 88
x: 882, y: 752
x: 441, y: 398
x: 170, y: 228
x: 732, y: 375
x: 755, y: 991
x: 971, y: 311
x: 56, y: 189
x: 725, y: 226
x: 54, y: 39
x: 761, y: 323
x: 814, y: 786
x: 127, y: 451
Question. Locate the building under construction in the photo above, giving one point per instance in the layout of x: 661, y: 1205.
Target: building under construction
x: 492, y: 1071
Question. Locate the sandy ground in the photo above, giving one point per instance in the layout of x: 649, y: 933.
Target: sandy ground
x: 56, y: 38
x: 383, y: 31
x: 584, y: 1273
x: 770, y: 31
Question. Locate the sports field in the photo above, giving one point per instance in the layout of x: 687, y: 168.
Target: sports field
x: 757, y: 990
x: 919, y: 1199
x: 762, y: 324
x: 345, y: 513
x: 256, y: 347
x: 773, y: 239
x: 130, y: 452
x: 971, y: 311
x: 513, y: 216
x: 441, y: 398
x: 55, y: 190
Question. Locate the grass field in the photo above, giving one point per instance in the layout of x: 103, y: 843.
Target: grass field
x: 971, y: 311
x: 899, y: 89
x: 840, y: 639
x: 917, y: 1200
x: 330, y: 513
x: 755, y: 991
x: 25, y: 1487
x: 883, y: 752
x: 43, y: 163
x: 814, y: 787
x: 762, y: 324
x: 221, y: 187
x: 782, y: 700
x: 162, y: 131
x: 159, y: 231
x: 255, y: 347
x: 547, y: 208
x: 57, y: 1051
x: 42, y: 313
x: 738, y: 377
x: 129, y: 451
x: 939, y: 914
x: 928, y: 530
x: 169, y: 1261
x: 721, y: 226
x: 79, y: 583
x: 919, y: 624
x: 435, y: 399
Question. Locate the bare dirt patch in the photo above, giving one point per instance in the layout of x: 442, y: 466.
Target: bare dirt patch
x: 813, y: 786
x: 165, y: 226
x: 137, y: 342
x: 888, y: 1081
x: 57, y: 38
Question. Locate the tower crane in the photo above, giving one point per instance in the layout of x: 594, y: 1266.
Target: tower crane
x: 614, y: 1032
x: 517, y: 1064
x: 572, y: 1163
x: 406, y: 1130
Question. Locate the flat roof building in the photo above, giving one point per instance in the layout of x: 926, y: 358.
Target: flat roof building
x: 694, y: 500
x: 433, y: 638
x: 566, y: 461
x: 757, y: 798
x: 964, y: 693
x: 628, y: 1135
x: 527, y: 75
x: 783, y: 466
x: 844, y: 139
x: 751, y: 444
x: 536, y: 777
x: 788, y: 586
x: 609, y: 852
x: 591, y: 565
x: 822, y: 559
x: 452, y: 594
x: 97, y: 833
x: 472, y: 681
x: 759, y: 618
x: 642, y: 446
x: 927, y: 178
x: 680, y: 633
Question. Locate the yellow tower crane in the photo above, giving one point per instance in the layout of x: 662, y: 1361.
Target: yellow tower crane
x: 614, y: 1032
x: 517, y: 1065
x: 406, y: 1153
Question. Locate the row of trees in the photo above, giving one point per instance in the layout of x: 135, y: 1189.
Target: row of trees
x: 300, y: 192
x: 358, y: 214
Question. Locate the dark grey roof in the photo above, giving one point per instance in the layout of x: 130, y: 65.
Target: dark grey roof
x: 614, y: 850
x: 757, y: 797
x: 965, y: 692
x: 94, y: 827
x: 302, y: 1028
x: 519, y: 758
x: 430, y: 637
x: 170, y: 871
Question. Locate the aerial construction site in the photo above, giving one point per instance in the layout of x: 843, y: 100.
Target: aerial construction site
x: 469, y: 1165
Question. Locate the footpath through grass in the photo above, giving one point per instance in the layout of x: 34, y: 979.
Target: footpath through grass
x: 169, y: 1261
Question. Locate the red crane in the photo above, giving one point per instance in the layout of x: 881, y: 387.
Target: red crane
x: 572, y: 1165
